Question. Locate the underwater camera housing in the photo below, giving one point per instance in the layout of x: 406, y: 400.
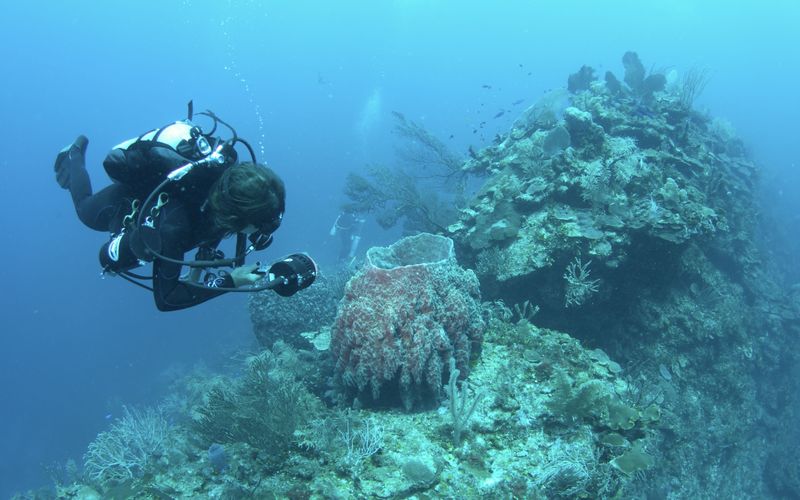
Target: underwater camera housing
x: 291, y: 274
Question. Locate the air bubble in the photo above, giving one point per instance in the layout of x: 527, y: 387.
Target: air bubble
x: 233, y: 67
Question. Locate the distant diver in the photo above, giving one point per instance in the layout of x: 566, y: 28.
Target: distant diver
x: 347, y: 227
x: 177, y: 188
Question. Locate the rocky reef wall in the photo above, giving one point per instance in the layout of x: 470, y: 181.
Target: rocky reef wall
x: 630, y: 219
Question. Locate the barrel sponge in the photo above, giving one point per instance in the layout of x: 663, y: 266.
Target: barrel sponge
x: 403, y: 315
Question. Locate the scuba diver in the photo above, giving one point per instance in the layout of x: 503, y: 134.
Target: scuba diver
x: 348, y: 226
x: 175, y: 189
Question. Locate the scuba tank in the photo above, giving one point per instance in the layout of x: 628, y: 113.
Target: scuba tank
x: 144, y: 161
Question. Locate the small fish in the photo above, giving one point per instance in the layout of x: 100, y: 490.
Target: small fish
x: 474, y: 131
x: 485, y: 86
x: 500, y: 113
x: 452, y: 135
x: 520, y: 65
x: 642, y: 111
x: 482, y: 124
x: 518, y: 102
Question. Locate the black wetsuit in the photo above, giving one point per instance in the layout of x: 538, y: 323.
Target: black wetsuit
x: 182, y: 225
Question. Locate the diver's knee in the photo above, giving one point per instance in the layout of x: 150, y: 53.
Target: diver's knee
x: 91, y: 217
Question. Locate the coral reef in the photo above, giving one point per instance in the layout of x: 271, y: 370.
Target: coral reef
x: 403, y: 316
x: 554, y: 420
x: 635, y: 340
x: 629, y: 181
x: 662, y: 200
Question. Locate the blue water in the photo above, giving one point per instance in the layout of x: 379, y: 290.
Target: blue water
x: 312, y: 85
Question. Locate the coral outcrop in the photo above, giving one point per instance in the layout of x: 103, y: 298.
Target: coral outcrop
x: 645, y: 226
x: 554, y: 420
x: 614, y: 178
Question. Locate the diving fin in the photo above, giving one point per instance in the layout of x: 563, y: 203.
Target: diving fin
x: 75, y: 152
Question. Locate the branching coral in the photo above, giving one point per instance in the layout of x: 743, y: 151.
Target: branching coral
x: 392, y: 194
x: 263, y: 409
x: 129, y: 448
x: 425, y: 192
x: 425, y: 151
x: 579, y: 286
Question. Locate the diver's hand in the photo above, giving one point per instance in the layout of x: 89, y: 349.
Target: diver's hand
x: 245, y: 275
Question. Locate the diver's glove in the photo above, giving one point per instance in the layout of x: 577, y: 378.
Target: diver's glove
x: 245, y: 275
